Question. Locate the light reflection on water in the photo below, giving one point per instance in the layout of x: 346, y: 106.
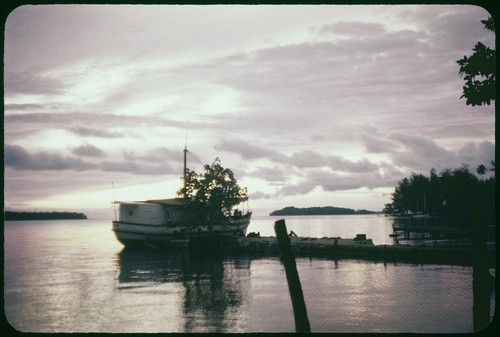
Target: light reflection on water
x: 375, y: 227
x: 74, y: 277
x: 206, y: 291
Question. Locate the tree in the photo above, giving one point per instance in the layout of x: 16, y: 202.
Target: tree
x: 452, y: 194
x: 479, y: 72
x: 210, y: 195
x: 460, y: 191
x: 434, y: 195
x: 481, y: 170
x: 400, y: 204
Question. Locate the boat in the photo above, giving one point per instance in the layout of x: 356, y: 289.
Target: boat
x: 166, y: 222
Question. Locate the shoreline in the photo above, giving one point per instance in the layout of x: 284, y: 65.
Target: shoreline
x: 29, y: 216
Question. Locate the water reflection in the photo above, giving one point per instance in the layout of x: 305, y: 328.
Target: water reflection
x: 214, y: 287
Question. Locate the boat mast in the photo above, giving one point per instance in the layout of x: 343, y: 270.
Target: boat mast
x: 185, y: 169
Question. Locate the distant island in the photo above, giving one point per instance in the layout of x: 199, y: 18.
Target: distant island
x: 17, y: 216
x: 327, y: 210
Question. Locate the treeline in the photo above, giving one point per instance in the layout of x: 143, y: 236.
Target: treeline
x: 456, y: 194
x: 327, y: 210
x: 12, y: 216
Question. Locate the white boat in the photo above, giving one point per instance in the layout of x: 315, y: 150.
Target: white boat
x: 163, y: 222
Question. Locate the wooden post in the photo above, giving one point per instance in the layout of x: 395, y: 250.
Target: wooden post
x: 481, y: 282
x: 292, y: 277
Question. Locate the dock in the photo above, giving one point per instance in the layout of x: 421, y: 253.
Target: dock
x: 430, y: 227
x: 356, y: 248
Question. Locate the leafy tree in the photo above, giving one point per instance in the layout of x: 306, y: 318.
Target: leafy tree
x: 479, y: 72
x: 418, y: 193
x: 399, y: 204
x: 481, y: 170
x: 434, y: 195
x: 460, y: 189
x: 210, y: 195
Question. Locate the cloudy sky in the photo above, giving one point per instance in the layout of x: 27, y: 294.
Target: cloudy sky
x: 308, y: 105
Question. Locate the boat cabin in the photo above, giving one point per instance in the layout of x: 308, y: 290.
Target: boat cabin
x: 167, y: 212
x: 152, y: 212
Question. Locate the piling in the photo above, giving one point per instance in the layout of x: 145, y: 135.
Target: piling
x: 292, y: 277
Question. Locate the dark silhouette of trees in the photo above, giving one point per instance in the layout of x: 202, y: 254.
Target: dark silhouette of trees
x: 478, y: 71
x: 460, y: 188
x: 210, y: 195
x: 451, y: 194
x: 410, y: 196
x: 481, y: 170
x: 19, y: 216
x: 474, y: 203
x: 326, y: 210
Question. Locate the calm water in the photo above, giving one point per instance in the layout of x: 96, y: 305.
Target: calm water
x: 73, y: 276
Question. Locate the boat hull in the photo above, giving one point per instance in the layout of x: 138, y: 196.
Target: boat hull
x: 140, y: 235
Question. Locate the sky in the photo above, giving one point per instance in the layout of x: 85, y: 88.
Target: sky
x: 314, y: 105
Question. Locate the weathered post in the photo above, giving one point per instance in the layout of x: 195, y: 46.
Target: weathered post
x: 292, y: 277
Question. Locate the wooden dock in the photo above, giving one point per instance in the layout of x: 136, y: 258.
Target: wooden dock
x: 357, y: 248
x: 433, y: 232
x: 431, y: 227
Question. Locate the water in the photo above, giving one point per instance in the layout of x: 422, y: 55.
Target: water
x: 344, y: 226
x: 73, y: 276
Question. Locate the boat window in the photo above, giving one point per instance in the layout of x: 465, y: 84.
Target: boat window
x: 130, y: 211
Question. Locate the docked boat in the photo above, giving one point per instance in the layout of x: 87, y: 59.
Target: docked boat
x: 167, y: 222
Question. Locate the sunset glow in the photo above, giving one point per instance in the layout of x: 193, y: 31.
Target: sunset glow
x: 308, y: 105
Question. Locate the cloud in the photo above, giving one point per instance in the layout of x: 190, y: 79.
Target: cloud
x: 260, y: 195
x: 271, y: 175
x: 314, y: 171
x: 21, y: 189
x: 366, y: 180
x: 32, y: 83
x: 377, y: 144
x: 23, y: 107
x: 457, y: 29
x: 352, y: 29
x: 306, y: 159
x: 463, y: 128
x: 88, y: 150
x: 17, y: 157
x: 91, y: 124
x: 296, y: 86
x: 298, y: 159
x: 153, y: 163
x: 245, y: 149
x: 313, y: 159
x: 420, y: 153
x: 331, y: 181
x: 477, y: 153
x: 355, y: 101
x: 291, y: 189
x: 94, y: 132
x: 119, y: 166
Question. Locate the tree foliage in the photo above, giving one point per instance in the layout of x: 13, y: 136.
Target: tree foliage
x: 12, y: 215
x: 210, y: 195
x: 478, y: 71
x: 451, y: 194
x: 326, y: 210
